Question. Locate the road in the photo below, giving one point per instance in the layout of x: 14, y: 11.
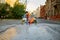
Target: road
x: 44, y: 30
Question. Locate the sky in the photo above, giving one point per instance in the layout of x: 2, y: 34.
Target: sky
x: 34, y: 4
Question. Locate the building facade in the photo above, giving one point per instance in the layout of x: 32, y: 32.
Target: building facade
x: 2, y: 1
x: 53, y: 9
x: 37, y: 12
x: 42, y: 11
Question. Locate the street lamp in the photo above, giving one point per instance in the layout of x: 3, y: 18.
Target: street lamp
x: 26, y: 3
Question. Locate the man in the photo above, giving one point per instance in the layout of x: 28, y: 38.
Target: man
x: 28, y: 15
x: 32, y: 19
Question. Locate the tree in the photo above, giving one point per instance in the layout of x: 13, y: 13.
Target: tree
x: 3, y: 9
x: 12, y: 12
x: 18, y: 10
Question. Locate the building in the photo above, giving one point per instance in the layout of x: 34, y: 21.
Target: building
x: 2, y: 1
x: 56, y: 9
x: 53, y: 9
x: 37, y: 12
x: 48, y: 9
x: 42, y: 11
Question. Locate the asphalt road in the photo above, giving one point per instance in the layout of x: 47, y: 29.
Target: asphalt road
x: 43, y: 30
x: 40, y: 31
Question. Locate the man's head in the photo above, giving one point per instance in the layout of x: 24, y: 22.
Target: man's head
x: 26, y: 11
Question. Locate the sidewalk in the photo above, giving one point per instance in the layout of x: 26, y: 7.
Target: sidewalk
x: 7, y: 34
x: 47, y: 21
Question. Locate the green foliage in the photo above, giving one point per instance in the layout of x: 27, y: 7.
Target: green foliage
x: 18, y: 11
x: 3, y: 9
x: 8, y: 12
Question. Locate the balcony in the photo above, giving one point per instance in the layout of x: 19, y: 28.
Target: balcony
x: 55, y: 2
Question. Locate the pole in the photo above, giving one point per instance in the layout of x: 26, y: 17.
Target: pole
x: 26, y: 3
